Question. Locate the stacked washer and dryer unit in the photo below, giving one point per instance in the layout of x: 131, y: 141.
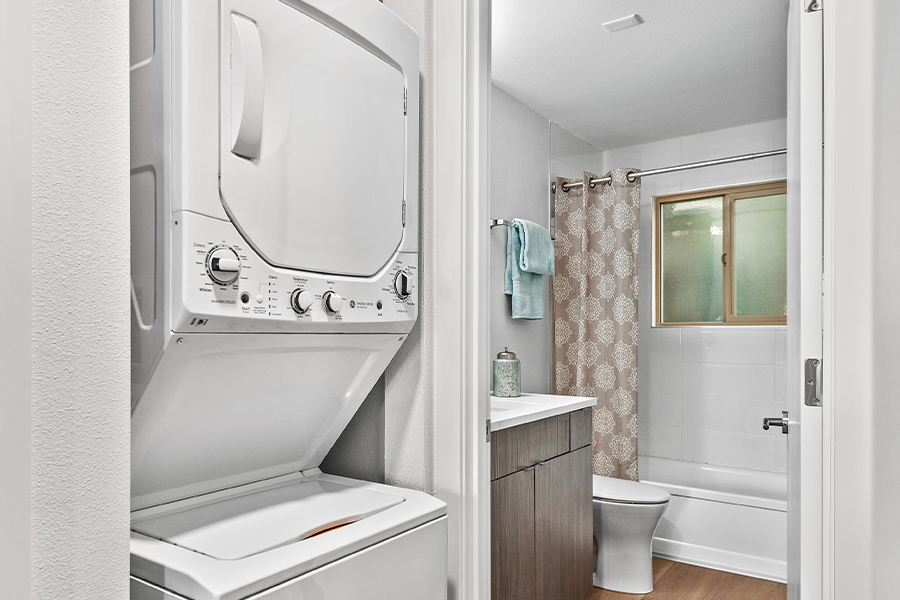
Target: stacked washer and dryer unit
x: 274, y: 276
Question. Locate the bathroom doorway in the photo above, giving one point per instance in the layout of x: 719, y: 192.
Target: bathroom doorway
x: 580, y: 89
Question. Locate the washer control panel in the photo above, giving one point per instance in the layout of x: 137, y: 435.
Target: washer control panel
x: 226, y: 287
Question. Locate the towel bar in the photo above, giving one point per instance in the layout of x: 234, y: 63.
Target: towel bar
x: 500, y: 222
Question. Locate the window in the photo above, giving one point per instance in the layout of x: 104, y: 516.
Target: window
x: 720, y: 256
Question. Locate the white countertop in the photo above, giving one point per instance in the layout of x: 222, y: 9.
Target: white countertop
x: 509, y: 412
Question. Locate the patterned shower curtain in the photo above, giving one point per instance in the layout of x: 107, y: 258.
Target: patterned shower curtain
x: 595, y: 325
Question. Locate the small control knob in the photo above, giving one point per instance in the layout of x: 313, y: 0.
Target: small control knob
x: 332, y: 302
x: 223, y: 265
x: 302, y: 300
x: 401, y: 285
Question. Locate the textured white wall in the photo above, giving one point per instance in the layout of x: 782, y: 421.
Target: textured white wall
x: 409, y: 380
x: 15, y: 301
x: 527, y: 152
x: 703, y: 391
x: 80, y: 298
x: 862, y: 326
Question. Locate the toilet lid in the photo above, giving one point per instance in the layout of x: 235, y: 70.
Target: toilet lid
x: 628, y: 492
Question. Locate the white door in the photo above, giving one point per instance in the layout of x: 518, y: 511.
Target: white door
x: 805, y: 193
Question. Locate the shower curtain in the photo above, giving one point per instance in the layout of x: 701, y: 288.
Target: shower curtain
x: 595, y: 326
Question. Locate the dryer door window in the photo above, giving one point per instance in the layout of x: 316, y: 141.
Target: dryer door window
x: 312, y: 141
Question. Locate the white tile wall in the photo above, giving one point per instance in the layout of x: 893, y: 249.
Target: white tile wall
x: 704, y: 391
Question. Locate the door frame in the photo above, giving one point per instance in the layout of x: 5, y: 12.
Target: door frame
x: 807, y: 460
x: 462, y: 378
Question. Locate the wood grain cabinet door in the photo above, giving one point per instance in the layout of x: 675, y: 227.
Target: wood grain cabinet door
x: 563, y: 532
x: 512, y: 537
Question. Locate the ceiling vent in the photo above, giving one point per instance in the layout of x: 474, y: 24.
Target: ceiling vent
x: 623, y: 23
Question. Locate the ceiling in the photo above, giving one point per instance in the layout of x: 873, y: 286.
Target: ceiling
x: 692, y: 66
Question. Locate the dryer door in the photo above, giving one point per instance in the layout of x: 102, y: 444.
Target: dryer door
x: 313, y: 139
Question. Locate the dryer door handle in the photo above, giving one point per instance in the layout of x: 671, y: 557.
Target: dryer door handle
x: 247, y: 87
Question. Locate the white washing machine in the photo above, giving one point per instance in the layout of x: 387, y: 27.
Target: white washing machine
x: 274, y: 276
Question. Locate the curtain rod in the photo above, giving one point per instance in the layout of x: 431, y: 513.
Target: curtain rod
x: 706, y: 163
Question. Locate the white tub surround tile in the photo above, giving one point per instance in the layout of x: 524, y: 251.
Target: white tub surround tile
x: 662, y: 343
x: 780, y: 346
x: 730, y: 415
x: 660, y: 378
x: 663, y: 441
x: 781, y: 457
x: 748, y: 382
x: 660, y: 418
x: 728, y: 345
x: 781, y: 383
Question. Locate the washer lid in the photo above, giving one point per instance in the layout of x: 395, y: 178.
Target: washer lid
x: 628, y: 492
x: 239, y: 527
x: 241, y: 521
x: 313, y: 139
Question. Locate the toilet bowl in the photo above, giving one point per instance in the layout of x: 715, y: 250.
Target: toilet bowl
x: 625, y: 516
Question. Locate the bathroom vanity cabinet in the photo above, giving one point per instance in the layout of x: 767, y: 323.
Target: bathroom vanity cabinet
x: 541, y: 530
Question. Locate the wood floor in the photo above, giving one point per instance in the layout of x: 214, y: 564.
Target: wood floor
x: 678, y: 581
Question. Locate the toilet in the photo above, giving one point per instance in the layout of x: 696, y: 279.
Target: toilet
x: 625, y: 516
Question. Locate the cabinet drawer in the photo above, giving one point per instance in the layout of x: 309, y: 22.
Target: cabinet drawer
x: 518, y: 447
x: 580, y: 433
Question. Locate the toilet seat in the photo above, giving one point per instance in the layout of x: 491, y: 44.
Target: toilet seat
x: 620, y: 491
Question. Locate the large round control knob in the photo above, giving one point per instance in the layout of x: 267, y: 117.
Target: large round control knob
x: 302, y: 300
x: 332, y: 302
x: 223, y: 265
x: 401, y: 285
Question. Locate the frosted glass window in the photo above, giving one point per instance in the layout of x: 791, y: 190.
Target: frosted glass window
x: 760, y: 255
x: 691, y: 252
x: 720, y: 256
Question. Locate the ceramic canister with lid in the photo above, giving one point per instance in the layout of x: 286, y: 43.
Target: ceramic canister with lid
x: 507, y: 375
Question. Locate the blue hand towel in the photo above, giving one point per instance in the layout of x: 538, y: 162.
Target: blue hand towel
x: 529, y: 256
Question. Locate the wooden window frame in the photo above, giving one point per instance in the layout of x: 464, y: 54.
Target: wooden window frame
x: 729, y: 195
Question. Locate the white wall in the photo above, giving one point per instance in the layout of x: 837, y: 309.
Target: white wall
x: 862, y: 284
x: 520, y: 179
x: 704, y: 391
x: 359, y: 452
x: 570, y: 156
x: 80, y: 367
x: 15, y: 301
x: 527, y: 153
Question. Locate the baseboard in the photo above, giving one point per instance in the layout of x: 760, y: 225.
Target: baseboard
x: 721, y: 560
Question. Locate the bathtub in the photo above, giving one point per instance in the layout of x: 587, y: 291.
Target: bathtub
x: 721, y: 517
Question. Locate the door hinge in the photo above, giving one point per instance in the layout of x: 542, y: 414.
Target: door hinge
x: 813, y: 379
x: 404, y: 101
x: 487, y: 427
x: 813, y: 6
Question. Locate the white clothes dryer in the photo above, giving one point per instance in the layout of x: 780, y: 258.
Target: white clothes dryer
x: 274, y: 276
